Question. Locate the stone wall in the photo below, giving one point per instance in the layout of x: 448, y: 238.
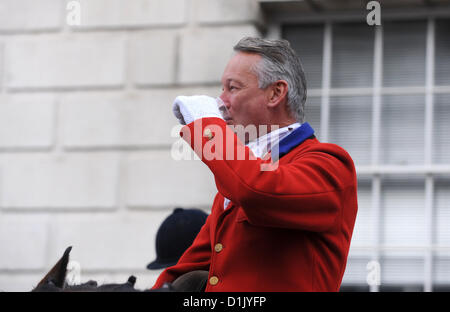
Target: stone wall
x: 86, y: 128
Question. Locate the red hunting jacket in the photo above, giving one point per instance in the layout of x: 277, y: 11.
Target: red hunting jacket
x: 288, y: 229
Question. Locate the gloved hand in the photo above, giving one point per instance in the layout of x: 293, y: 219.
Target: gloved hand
x: 190, y: 108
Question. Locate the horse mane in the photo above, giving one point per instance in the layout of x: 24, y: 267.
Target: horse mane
x: 55, y: 281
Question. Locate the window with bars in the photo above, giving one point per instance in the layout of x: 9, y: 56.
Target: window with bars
x: 383, y: 94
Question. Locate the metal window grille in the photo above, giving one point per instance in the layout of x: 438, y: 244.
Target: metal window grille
x: 383, y: 93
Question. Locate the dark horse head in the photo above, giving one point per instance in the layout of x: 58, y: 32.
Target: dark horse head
x: 55, y: 281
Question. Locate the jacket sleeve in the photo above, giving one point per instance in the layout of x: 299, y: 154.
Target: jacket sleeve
x: 196, y: 257
x: 307, y: 193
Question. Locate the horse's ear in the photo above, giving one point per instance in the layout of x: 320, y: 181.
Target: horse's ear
x: 57, y: 274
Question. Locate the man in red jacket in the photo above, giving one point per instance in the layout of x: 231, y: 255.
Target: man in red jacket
x: 286, y: 228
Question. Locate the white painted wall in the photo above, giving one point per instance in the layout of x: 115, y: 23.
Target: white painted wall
x: 85, y: 128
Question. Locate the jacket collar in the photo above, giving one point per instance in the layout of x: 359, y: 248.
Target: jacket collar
x: 294, y: 139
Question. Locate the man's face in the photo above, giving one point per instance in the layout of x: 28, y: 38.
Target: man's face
x: 245, y: 102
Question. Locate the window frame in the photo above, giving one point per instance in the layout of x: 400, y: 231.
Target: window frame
x: 376, y: 171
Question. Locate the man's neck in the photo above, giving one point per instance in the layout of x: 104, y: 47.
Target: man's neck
x: 277, y: 125
x: 273, y: 127
x: 265, y: 142
x: 266, y: 129
x: 263, y: 129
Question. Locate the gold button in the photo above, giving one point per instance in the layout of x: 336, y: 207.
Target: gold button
x: 218, y: 247
x: 208, y: 133
x: 213, y: 280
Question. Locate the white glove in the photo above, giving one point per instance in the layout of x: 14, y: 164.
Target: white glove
x: 190, y: 108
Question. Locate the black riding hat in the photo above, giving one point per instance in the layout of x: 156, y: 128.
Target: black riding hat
x: 175, y: 235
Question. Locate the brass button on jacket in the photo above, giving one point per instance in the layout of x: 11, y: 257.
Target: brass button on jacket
x: 218, y: 247
x: 208, y: 133
x: 213, y: 280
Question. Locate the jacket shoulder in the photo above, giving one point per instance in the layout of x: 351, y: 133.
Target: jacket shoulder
x: 315, y: 146
x: 330, y: 152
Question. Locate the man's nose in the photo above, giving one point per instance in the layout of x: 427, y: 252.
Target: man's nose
x: 225, y: 100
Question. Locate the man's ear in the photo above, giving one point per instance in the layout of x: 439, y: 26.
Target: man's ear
x: 57, y: 274
x: 278, y: 93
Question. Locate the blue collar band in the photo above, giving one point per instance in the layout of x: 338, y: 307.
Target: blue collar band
x: 295, y: 138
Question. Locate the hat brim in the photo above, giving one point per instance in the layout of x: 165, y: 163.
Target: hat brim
x: 158, y: 264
